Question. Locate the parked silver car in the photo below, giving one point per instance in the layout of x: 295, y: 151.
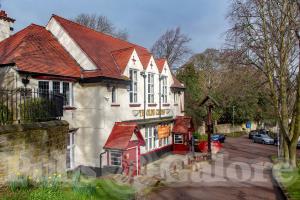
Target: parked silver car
x: 263, y: 139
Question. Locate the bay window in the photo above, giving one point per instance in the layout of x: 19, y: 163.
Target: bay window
x: 150, y: 88
x: 133, y: 75
x: 57, y: 87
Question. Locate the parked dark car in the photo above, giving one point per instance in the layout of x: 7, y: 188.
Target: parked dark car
x: 263, y: 139
x: 263, y: 131
x: 252, y: 133
x: 218, y: 137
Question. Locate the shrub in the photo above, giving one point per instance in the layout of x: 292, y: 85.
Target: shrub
x: 34, y: 110
x: 200, y: 137
x: 5, y: 114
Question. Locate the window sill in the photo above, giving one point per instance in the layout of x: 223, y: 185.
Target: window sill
x: 69, y: 108
x: 166, y: 105
x: 115, y: 105
x: 152, y: 105
x: 134, y: 105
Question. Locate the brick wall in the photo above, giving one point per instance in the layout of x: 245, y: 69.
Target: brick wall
x: 36, y: 149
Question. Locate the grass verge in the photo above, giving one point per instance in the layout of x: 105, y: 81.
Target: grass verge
x: 83, y: 189
x: 289, y: 180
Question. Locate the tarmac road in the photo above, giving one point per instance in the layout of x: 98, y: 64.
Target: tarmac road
x: 241, y: 171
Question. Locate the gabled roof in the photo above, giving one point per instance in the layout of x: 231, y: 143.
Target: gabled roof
x: 98, y: 46
x: 122, y: 57
x: 160, y: 64
x: 121, y: 134
x: 183, y: 124
x: 35, y: 50
x: 145, y: 59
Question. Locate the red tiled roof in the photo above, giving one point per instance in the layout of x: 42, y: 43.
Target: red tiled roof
x: 121, y: 135
x: 98, y: 46
x: 145, y: 59
x: 177, y: 83
x: 160, y: 64
x: 122, y: 57
x: 35, y: 50
x: 4, y: 16
x: 183, y: 125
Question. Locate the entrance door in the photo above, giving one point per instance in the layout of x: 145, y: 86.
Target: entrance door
x: 131, y: 161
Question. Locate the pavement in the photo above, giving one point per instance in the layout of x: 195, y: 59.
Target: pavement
x: 241, y: 171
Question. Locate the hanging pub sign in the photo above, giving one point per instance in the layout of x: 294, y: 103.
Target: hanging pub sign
x: 164, y: 131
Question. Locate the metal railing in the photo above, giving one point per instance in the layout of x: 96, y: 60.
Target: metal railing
x: 29, y: 105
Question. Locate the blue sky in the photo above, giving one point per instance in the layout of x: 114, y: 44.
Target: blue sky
x: 145, y: 20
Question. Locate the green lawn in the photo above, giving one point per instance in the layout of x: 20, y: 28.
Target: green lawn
x: 291, y: 182
x: 85, y: 189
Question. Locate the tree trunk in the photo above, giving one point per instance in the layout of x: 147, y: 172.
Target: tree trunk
x: 293, y: 154
x: 286, y: 152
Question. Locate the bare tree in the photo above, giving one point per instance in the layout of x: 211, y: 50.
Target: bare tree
x: 263, y: 35
x: 172, y: 45
x: 102, y: 24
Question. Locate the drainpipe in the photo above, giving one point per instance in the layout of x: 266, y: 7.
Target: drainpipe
x: 101, y: 154
x: 159, y: 96
x: 143, y: 73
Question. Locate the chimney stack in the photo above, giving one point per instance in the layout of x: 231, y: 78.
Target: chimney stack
x: 6, y: 25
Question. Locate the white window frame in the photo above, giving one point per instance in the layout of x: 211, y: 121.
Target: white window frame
x: 119, y: 158
x: 164, y: 90
x: 51, y: 89
x: 176, y: 97
x: 151, y: 87
x: 176, y: 141
x: 133, y: 92
x: 150, y: 138
x: 71, y: 149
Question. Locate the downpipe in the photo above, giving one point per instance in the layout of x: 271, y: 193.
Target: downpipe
x: 101, y: 154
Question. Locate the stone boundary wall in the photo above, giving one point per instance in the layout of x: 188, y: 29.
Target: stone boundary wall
x: 228, y: 128
x: 35, y: 149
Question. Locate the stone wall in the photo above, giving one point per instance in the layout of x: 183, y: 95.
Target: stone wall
x: 36, y: 149
x: 228, y: 128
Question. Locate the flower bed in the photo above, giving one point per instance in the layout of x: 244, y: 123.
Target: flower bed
x: 57, y: 187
